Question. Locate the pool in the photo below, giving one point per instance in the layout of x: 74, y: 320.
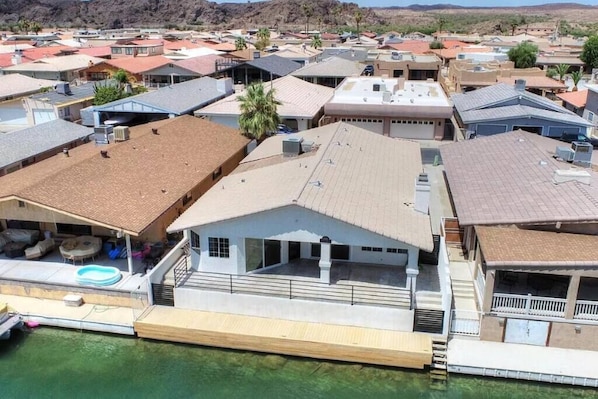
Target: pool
x: 97, y: 275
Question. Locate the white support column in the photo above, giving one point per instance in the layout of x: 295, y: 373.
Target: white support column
x: 412, y: 269
x: 325, y: 262
x: 284, y: 252
x: 129, y: 256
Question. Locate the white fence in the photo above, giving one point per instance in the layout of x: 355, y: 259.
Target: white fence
x: 586, y: 310
x: 528, y: 304
x: 465, y: 322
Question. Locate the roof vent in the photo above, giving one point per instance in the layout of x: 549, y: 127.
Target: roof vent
x: 564, y: 176
x: 520, y: 84
x: 291, y: 146
x: 395, y: 55
x: 104, y: 154
x: 307, y: 146
x: 155, y: 131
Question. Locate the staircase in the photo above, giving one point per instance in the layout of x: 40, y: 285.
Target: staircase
x: 438, y: 372
x: 464, y: 296
x: 163, y: 294
x: 428, y: 321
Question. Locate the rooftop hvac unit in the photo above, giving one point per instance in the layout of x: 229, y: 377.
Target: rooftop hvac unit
x: 291, y: 146
x: 395, y: 55
x: 583, y: 152
x: 307, y: 145
x: 101, y: 134
x: 565, y: 153
x: 121, y: 133
x: 104, y: 129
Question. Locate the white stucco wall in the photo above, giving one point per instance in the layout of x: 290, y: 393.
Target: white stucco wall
x: 293, y: 223
x: 385, y: 318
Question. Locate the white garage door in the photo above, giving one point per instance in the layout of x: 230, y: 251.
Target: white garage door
x: 373, y: 125
x: 43, y: 115
x: 529, y: 332
x: 411, y: 129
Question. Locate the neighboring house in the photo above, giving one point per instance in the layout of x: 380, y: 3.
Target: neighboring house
x: 187, y: 53
x: 575, y: 101
x: 133, y: 188
x: 263, y: 69
x: 302, y: 54
x: 317, y: 223
x: 348, y: 53
x: 65, y: 102
x: 135, y: 67
x: 15, y: 86
x: 136, y: 48
x: 27, y: 146
x: 301, y: 108
x: 329, y: 72
x: 590, y: 111
x: 397, y: 64
x: 537, y: 29
x: 530, y: 222
x: 546, y: 61
x: 183, y: 70
x: 501, y: 108
x: 392, y: 107
x: 65, y: 68
x: 167, y: 102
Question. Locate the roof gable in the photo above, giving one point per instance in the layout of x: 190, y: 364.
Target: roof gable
x: 274, y: 64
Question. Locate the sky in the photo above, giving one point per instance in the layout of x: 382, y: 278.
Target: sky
x: 464, y: 3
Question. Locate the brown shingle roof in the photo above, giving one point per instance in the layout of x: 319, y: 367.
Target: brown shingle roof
x: 139, y: 181
x: 511, y: 246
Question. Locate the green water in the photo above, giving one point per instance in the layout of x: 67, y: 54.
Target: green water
x: 54, y: 363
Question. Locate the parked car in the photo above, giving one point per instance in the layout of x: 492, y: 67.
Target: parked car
x: 368, y: 70
x: 281, y: 129
x: 571, y: 137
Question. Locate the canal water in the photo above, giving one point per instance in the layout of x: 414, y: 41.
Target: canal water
x: 55, y: 363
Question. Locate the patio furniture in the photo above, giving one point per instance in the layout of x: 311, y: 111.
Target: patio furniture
x: 15, y: 249
x: 29, y: 237
x: 40, y: 249
x: 80, y: 248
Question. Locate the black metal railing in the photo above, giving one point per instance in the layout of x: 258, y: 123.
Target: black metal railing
x: 263, y: 285
x: 181, y: 271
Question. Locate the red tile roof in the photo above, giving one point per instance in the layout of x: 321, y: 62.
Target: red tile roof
x: 138, y: 65
x: 180, y: 44
x: 204, y: 65
x: 101, y: 52
x: 576, y: 98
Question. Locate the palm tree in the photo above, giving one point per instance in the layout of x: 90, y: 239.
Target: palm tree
x: 358, y: 19
x: 316, y: 42
x: 240, y: 43
x: 308, y: 11
x: 561, y: 70
x: 576, y: 77
x: 258, y: 111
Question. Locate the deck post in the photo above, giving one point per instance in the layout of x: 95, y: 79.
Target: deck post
x: 129, y: 253
x: 572, y: 297
x: 412, y: 269
x: 325, y: 262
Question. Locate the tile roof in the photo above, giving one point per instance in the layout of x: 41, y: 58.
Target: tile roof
x: 137, y: 65
x: 275, y: 65
x: 100, y: 52
x: 203, y: 65
x: 181, y: 44
x: 300, y: 99
x: 178, y: 99
x: 331, y: 67
x: 576, y: 98
x: 62, y: 63
x: 511, y: 246
x: 141, y: 179
x: 508, y: 179
x: 16, y: 84
x: 22, y: 144
x: 351, y: 168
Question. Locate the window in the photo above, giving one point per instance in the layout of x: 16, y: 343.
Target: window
x: 117, y: 50
x: 376, y: 249
x: 397, y: 73
x: 396, y: 251
x: 315, y: 250
x: 21, y: 204
x: 216, y: 174
x: 194, y: 240
x: 367, y: 249
x: 218, y: 247
x: 74, y: 229
x: 590, y: 116
x: 371, y: 249
x: 153, y: 50
x: 128, y: 50
x: 142, y: 50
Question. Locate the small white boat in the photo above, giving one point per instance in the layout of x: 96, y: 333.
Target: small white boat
x: 9, y: 321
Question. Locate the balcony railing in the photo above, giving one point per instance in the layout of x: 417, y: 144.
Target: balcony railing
x: 295, y: 289
x: 529, y: 305
x: 586, y: 310
x: 465, y: 322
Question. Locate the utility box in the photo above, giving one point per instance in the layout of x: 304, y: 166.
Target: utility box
x: 583, y: 152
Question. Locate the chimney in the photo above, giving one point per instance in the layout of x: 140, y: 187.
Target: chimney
x: 422, y: 193
x: 520, y: 84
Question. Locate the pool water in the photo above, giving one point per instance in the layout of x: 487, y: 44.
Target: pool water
x: 97, y: 275
x: 56, y: 363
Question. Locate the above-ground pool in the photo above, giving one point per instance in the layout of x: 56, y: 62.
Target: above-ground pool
x: 97, y: 275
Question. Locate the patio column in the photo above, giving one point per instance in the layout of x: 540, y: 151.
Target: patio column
x: 324, y: 262
x: 412, y: 269
x: 284, y: 252
x: 488, y: 291
x: 129, y: 256
x: 572, y: 297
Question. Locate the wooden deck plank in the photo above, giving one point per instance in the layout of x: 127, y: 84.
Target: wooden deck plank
x: 316, y: 340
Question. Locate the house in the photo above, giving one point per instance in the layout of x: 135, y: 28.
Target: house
x: 65, y: 102
x: 131, y: 189
x: 397, y: 64
x: 501, y: 108
x: 530, y: 221
x: 590, y: 111
x: 65, y: 68
x: 318, y: 225
x: 346, y: 52
x: 135, y: 67
x: 575, y: 101
x: 302, y: 54
x: 16, y: 85
x: 136, y: 48
x: 262, y: 69
x: 546, y: 61
x: 187, y: 53
x: 167, y: 102
x: 329, y: 72
x: 34, y: 144
x: 301, y: 104
x: 392, y: 107
x: 183, y: 70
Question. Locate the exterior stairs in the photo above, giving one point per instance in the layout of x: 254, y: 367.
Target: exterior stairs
x: 429, y: 316
x: 438, y: 369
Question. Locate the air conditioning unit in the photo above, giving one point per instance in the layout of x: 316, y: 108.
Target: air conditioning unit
x: 121, y: 133
x: 565, y: 153
x: 307, y: 146
x: 291, y: 146
x: 582, y: 152
x: 104, y: 129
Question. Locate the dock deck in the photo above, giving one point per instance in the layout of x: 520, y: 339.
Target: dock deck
x: 314, y: 340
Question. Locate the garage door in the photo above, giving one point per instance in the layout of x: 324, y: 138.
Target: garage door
x: 411, y: 129
x: 529, y: 332
x: 373, y: 125
x: 42, y: 116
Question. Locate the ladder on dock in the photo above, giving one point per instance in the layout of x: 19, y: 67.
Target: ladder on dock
x: 438, y: 368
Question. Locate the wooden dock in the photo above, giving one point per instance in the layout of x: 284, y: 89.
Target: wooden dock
x: 285, y: 337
